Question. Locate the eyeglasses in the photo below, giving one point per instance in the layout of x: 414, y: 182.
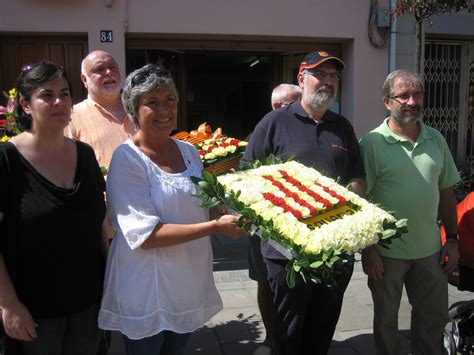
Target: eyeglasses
x: 404, y: 98
x: 320, y: 75
x: 141, y: 77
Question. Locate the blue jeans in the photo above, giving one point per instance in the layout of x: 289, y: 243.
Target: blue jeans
x: 74, y: 334
x: 163, y: 343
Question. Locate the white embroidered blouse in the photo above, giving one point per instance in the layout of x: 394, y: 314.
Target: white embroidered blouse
x: 167, y: 288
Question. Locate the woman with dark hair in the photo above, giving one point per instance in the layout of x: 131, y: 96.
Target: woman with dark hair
x: 51, y: 212
x: 158, y: 285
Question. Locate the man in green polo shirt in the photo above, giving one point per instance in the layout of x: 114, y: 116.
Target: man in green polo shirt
x: 410, y: 170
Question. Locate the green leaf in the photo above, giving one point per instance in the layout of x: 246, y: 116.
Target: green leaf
x: 316, y: 264
x: 291, y: 278
x: 303, y: 276
x: 220, y: 190
x: 388, y: 233
x: 303, y: 262
x: 203, y: 185
x: 316, y: 279
x: 401, y: 223
x: 207, y: 178
x: 214, y: 203
x: 202, y: 196
x: 195, y: 179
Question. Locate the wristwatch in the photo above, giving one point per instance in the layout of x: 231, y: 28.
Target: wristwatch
x: 453, y: 236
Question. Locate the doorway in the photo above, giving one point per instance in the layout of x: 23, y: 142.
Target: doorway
x: 230, y: 90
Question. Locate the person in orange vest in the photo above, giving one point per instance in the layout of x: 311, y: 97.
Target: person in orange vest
x: 465, y: 211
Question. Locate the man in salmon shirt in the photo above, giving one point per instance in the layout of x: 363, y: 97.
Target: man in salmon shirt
x: 100, y: 120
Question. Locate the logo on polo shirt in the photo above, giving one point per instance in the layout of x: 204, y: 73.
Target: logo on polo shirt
x: 337, y: 146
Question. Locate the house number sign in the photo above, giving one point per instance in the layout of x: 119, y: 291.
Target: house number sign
x: 106, y: 36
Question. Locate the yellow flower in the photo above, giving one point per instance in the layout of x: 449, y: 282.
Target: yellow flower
x: 12, y: 94
x: 4, y: 139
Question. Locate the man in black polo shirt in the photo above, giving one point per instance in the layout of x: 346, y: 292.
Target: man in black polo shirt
x: 307, y: 314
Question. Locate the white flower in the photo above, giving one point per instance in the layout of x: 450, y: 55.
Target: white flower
x: 219, y: 152
x: 209, y: 156
x: 230, y: 149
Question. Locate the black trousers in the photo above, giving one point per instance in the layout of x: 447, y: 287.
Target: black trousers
x: 306, y: 315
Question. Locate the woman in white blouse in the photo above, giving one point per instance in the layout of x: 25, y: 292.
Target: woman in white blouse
x: 158, y: 284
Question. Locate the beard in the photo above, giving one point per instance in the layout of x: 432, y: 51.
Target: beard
x: 404, y: 117
x: 320, y: 100
x: 103, y: 91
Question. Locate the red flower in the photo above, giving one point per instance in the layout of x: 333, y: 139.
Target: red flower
x: 327, y: 204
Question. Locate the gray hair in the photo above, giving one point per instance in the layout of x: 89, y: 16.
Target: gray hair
x: 154, y: 78
x: 405, y: 76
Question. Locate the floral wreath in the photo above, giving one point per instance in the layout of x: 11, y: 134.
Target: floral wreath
x: 316, y: 254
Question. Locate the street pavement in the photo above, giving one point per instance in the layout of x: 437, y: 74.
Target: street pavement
x: 238, y: 328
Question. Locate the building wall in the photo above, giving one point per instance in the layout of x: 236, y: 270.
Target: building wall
x: 336, y: 21
x: 457, y: 26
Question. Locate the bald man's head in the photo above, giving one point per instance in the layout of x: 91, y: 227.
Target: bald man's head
x: 100, y: 75
x: 285, y: 94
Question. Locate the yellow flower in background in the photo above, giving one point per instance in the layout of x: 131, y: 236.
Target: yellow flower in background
x: 8, y: 114
x: 12, y: 94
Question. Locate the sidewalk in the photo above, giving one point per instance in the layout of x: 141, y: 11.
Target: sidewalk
x: 238, y: 329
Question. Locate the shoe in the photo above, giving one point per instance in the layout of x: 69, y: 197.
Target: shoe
x: 262, y: 350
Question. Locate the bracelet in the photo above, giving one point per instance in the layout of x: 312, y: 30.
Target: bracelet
x: 453, y: 236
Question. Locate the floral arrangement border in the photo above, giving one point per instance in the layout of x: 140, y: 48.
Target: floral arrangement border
x: 319, y: 268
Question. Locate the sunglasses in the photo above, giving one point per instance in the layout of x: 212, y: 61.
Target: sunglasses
x: 26, y: 68
x: 141, y: 77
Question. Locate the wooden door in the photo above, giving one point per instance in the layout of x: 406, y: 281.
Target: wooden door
x: 16, y: 50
